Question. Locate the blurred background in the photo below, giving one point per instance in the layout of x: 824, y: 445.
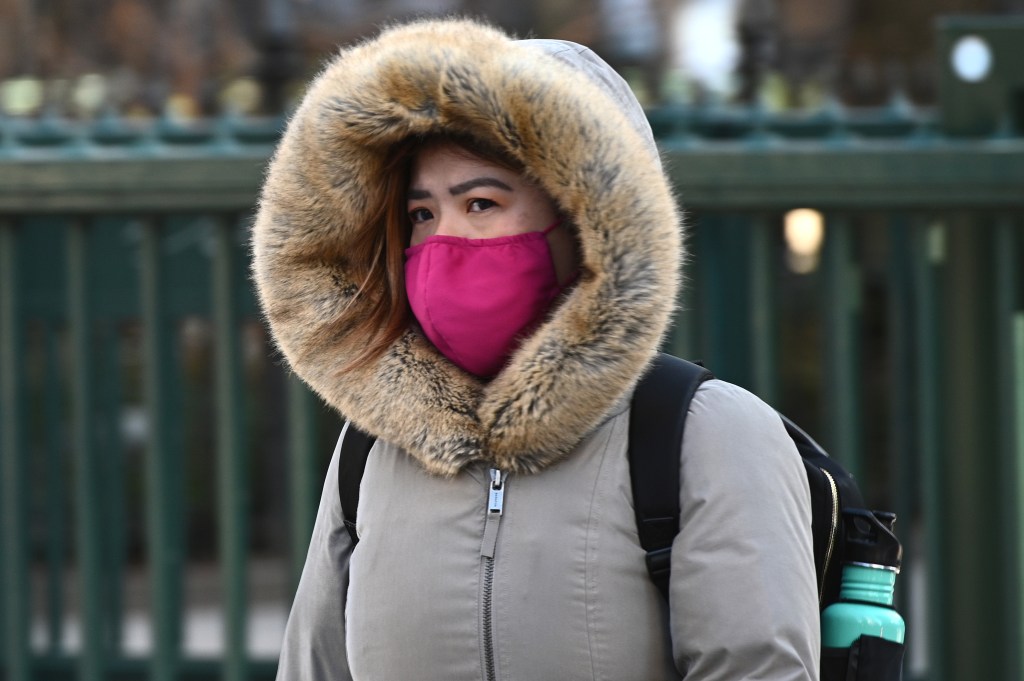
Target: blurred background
x: 853, y: 172
x: 192, y: 58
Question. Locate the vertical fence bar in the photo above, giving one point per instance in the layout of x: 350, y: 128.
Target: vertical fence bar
x: 929, y: 255
x: 163, y: 498
x: 763, y: 309
x: 970, y: 430
x: 56, y: 472
x: 842, y: 306
x: 232, y: 476
x: 903, y: 487
x: 706, y: 304
x: 723, y: 240
x: 682, y: 340
x: 88, y: 501
x: 1018, y: 455
x: 302, y: 469
x: 12, y: 452
x: 1006, y: 255
x: 111, y: 460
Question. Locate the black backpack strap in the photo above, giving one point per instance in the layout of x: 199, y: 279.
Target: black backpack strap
x: 355, y: 450
x: 657, y: 419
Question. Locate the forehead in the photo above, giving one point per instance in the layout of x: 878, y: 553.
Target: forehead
x: 445, y: 158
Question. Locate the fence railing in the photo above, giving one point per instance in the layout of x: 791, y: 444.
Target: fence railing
x: 149, y: 432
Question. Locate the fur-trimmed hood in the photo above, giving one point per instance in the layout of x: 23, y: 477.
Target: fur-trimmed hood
x: 572, y: 122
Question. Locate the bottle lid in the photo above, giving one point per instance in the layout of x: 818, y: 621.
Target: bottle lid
x: 870, y: 539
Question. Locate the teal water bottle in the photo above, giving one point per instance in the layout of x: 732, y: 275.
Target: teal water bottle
x: 872, y: 560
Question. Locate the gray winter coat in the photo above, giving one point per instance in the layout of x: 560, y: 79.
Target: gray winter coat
x: 566, y: 595
x: 556, y: 587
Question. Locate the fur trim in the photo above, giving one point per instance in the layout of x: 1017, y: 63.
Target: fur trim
x: 577, y: 141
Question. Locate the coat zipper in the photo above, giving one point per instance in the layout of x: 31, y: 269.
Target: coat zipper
x: 833, y: 531
x: 495, y: 507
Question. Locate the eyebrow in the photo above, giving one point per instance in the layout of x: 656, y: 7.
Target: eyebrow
x: 464, y: 187
x: 461, y: 188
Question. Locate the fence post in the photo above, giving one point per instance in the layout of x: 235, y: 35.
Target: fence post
x: 1007, y: 254
x: 842, y: 350
x: 56, y: 486
x: 303, y: 475
x: 904, y: 341
x: 682, y: 338
x: 1018, y: 475
x: 13, y: 490
x: 723, y: 243
x: 928, y: 257
x: 88, y: 504
x: 232, y: 483
x: 974, y: 554
x: 163, y: 488
x: 110, y: 462
x: 763, y: 316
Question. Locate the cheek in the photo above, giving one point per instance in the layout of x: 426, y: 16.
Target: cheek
x: 523, y: 219
x: 529, y: 221
x: 418, y: 235
x: 540, y: 214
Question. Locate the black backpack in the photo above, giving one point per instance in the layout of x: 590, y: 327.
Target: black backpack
x: 657, y: 421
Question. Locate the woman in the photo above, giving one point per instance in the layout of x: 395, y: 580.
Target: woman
x: 466, y: 244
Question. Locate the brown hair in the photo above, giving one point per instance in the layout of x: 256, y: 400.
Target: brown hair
x: 378, y: 251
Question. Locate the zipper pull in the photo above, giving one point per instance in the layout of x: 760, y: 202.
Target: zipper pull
x: 496, y: 499
x: 495, y: 507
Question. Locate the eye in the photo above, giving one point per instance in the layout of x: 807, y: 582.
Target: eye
x: 480, y: 205
x: 418, y: 215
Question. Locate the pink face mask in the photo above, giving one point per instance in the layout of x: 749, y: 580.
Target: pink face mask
x: 476, y: 298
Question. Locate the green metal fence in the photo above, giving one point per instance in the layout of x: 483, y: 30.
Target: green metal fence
x: 144, y: 412
x: 917, y: 314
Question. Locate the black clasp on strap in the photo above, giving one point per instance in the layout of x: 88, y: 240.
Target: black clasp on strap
x: 659, y: 565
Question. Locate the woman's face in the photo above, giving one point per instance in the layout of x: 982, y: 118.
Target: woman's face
x: 453, y: 193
